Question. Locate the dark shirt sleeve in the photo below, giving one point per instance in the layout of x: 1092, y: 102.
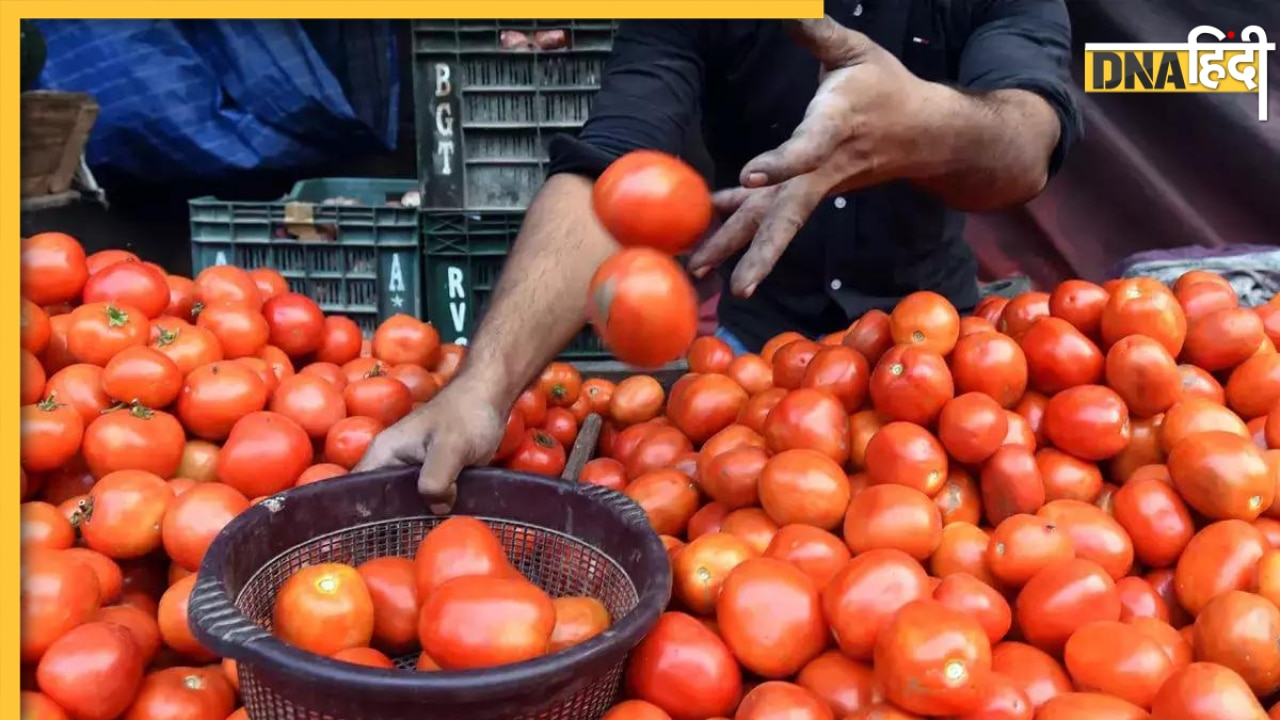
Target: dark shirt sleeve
x: 1025, y: 45
x: 648, y: 99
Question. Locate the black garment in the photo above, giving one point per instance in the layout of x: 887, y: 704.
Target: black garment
x: 750, y: 84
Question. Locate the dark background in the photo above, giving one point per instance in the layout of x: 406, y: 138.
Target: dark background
x: 1153, y: 170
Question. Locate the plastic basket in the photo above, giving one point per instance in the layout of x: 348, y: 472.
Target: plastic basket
x: 486, y: 113
x: 346, y: 243
x: 464, y: 254
x: 570, y: 538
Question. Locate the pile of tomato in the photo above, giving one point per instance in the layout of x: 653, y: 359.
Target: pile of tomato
x: 1062, y: 507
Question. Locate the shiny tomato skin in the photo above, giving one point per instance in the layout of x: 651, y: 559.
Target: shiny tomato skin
x: 1222, y: 475
x: 241, y: 331
x: 1144, y: 374
x: 967, y: 594
x: 1036, y: 673
x: 925, y: 319
x: 349, y: 438
x: 539, y: 453
x: 295, y: 323
x: 405, y: 340
x: 804, y: 486
x: 134, y: 438
x: 1144, y: 306
x: 893, y: 516
x: 636, y: 710
x: 1080, y: 303
x: 51, y: 433
x: 219, y: 284
x: 1062, y: 597
x: 143, y: 375
x: 668, y: 497
x: 195, y: 518
x: 93, y: 671
x: 866, y: 594
x: 903, y: 453
x: 1021, y: 312
x: 705, y: 406
x: 701, y: 566
x: 972, y: 427
x: 1222, y: 339
x: 1011, y: 483
x: 1206, y: 691
x: 1090, y: 422
x: 809, y: 419
x: 98, y: 331
x: 686, y: 669
x: 312, y: 402
x: 187, y: 692
x: 709, y: 354
x: 1001, y: 700
x: 1095, y: 535
x: 58, y: 593
x: 53, y: 268
x: 1238, y: 630
x: 777, y: 700
x: 215, y: 396
x: 911, y: 384
x: 732, y: 477
x: 323, y: 609
x: 650, y: 199
x: 1117, y: 659
x: 456, y: 547
x: 380, y: 397
x: 635, y: 399
x: 990, y: 363
x: 841, y: 371
x: 476, y: 621
x: 1156, y: 518
x: 1090, y: 706
x: 816, y: 552
x: 340, y: 340
x: 264, y: 440
x: 933, y: 660
x: 131, y: 283
x: 770, y: 616
x: 644, y: 307
x: 845, y: 685
x: 124, y: 512
x: 1059, y: 356
x: 791, y: 362
x: 269, y: 282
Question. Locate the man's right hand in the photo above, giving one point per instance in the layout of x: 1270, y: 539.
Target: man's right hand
x: 458, y: 428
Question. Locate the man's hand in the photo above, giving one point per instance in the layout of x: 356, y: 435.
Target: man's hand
x: 866, y: 124
x: 456, y: 429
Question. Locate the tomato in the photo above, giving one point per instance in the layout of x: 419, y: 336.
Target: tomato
x: 867, y: 593
x: 538, y: 453
x: 732, y: 477
x: 643, y: 306
x: 636, y: 710
x: 1063, y: 596
x: 340, y: 340
x: 189, y: 347
x: 893, y: 516
x: 926, y: 320
x: 1068, y: 478
x: 752, y: 526
x: 270, y: 282
x: 142, y: 375
x: 227, y: 284
x: 963, y: 550
x: 1020, y: 312
x: 106, y: 258
x: 1222, y: 339
x: 1254, y: 386
x: 933, y: 660
x: 777, y: 700
x: 1156, y: 518
x: 972, y: 427
x: 992, y: 364
x: 43, y: 526
x: 295, y: 323
x: 1196, y: 415
x: 318, y: 472
x: 264, y: 440
x: 392, y: 586
x: 1002, y: 700
x: 196, y: 517
x: 1031, y: 670
x: 1222, y: 475
x: 1199, y: 384
x: 561, y: 383
x: 1080, y: 303
x: 791, y: 361
x: 311, y: 402
x: 578, y: 619
x: 1170, y: 640
x: 815, y: 552
x: 871, y: 335
x: 456, y: 547
x: 842, y: 372
x: 605, y: 472
x: 705, y: 405
x: 58, y: 592
x: 476, y: 621
x: 241, y: 331
x: 1237, y: 630
x: 843, y: 684
x: 34, y: 330
x: 1206, y: 691
x: 1090, y: 422
x: 906, y: 454
x: 50, y: 435
x: 1090, y: 706
x: 804, y: 486
x: 561, y: 426
x: 129, y: 283
x: 657, y: 448
x: 99, y: 331
x: 56, y: 354
x: 970, y: 596
x: 1199, y: 291
x: 863, y: 426
x: 1059, y: 356
x: 809, y: 419
x: 93, y: 671
x: 911, y: 384
x: 405, y: 340
x: 187, y: 692
x: 323, y: 609
x: 1095, y: 535
x: 52, y: 268
x: 686, y: 669
x: 182, y: 297
x: 709, y: 354
x: 349, y: 438
x: 1144, y: 306
x: 1117, y: 659
x: 653, y: 200
x: 135, y: 437
x: 123, y: 513
x: 734, y: 436
x: 1144, y: 374
x: 32, y: 378
x: 667, y: 497
x: 328, y: 372
x: 770, y: 616
x: 368, y: 657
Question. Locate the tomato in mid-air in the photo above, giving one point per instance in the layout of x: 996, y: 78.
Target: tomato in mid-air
x: 684, y: 668
x: 264, y: 454
x: 643, y: 306
x: 652, y: 199
x: 476, y: 621
x: 52, y: 268
x: 129, y: 283
x: 295, y: 323
x: 323, y: 609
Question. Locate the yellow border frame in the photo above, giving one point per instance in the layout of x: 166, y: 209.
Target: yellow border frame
x: 13, y: 10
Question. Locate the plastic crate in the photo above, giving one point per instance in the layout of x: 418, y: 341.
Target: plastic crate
x: 359, y: 257
x: 464, y: 255
x: 485, y: 114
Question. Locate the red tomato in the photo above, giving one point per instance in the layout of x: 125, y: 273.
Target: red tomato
x: 1144, y: 374
x: 562, y: 426
x: 643, y: 306
x: 93, y: 671
x: 196, y: 517
x: 1032, y: 671
x: 134, y: 438
x: 188, y: 346
x: 42, y: 525
x: 1206, y: 691
x: 893, y: 516
x: 603, y: 471
x: 1156, y: 518
x: 58, y: 592
x: 34, y: 330
x: 404, y: 340
x: 105, y: 258
x: 846, y: 686
x: 312, y: 402
x: 456, y: 547
x: 1118, y: 659
x: 1059, y: 356
x: 241, y: 331
x: 809, y: 419
x: 804, y: 486
x: 992, y: 364
x: 264, y: 440
x: 294, y: 323
x: 867, y: 593
x: 1221, y: 557
x: 1144, y: 306
x: 392, y: 586
x: 732, y: 477
x: 1237, y: 630
x: 967, y: 594
x: 770, y: 616
x: 52, y: 268
x: 50, y: 435
x: 368, y: 657
x: 972, y: 427
x: 215, y: 396
x: 99, y: 331
x: 926, y: 320
x: 129, y: 283
x: 323, y: 609
x: 782, y: 701
x: 709, y: 354
x: 349, y: 438
x: 1089, y: 706
x: 933, y: 660
x: 752, y: 372
x: 903, y: 453
x: 651, y: 199
x: 380, y: 397
x: 817, y: 553
x: 911, y: 384
x: 476, y: 622
x: 1062, y: 597
x: 142, y: 375
x: 1095, y: 535
x: 123, y: 513
x: 539, y: 453
x: 636, y: 710
x: 686, y: 669
x: 668, y: 497
x: 1090, y: 422
x: 1222, y: 339
x: 269, y: 282
x: 1021, y: 312
x: 186, y: 692
x: 1080, y: 303
x: 705, y: 405
x: 1222, y: 475
x: 219, y: 284
x: 578, y: 619
x: 340, y: 341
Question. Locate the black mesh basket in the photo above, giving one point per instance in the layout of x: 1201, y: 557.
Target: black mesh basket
x: 569, y: 538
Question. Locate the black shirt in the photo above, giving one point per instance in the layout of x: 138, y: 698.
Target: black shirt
x: 747, y: 84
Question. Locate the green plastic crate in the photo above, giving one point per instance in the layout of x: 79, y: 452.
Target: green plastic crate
x: 360, y: 257
x: 464, y: 254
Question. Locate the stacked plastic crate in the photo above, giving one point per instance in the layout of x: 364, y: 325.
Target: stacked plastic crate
x: 490, y: 95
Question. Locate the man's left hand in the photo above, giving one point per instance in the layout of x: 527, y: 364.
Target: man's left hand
x: 866, y: 124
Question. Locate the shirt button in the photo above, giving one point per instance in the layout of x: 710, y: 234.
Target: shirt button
x: 835, y: 284
x: 840, y: 203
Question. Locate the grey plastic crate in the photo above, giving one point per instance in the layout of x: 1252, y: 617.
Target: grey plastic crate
x: 359, y: 256
x: 486, y: 114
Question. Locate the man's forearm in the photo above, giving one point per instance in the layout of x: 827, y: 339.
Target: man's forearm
x: 988, y: 150
x: 540, y: 301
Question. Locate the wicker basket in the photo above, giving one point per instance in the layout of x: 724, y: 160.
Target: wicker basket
x: 55, y: 129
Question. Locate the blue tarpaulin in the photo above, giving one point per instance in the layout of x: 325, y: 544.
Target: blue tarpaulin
x: 208, y: 99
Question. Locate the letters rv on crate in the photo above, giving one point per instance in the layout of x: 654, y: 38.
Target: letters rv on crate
x: 1222, y: 63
